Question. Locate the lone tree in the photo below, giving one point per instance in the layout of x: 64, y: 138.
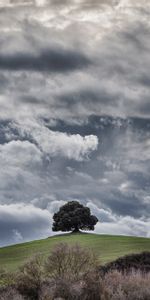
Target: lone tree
x: 73, y: 216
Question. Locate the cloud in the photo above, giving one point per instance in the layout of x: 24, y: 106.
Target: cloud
x: 125, y: 226
x: 20, y: 153
x: 70, y: 146
x: 96, y: 62
x: 20, y: 163
x: 75, y: 114
x: 110, y: 223
x: 54, y: 206
x: 56, y: 143
x: 49, y: 60
x: 12, y: 3
x: 103, y: 215
x: 20, y: 222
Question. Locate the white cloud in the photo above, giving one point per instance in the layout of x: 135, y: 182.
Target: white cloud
x: 20, y: 222
x: 61, y: 144
x: 109, y: 223
x: 12, y: 3
x: 54, y: 206
x: 102, y: 214
x: 22, y: 213
x: 40, y: 2
x: 20, y: 164
x: 132, y: 3
x: 19, y: 153
x: 125, y: 226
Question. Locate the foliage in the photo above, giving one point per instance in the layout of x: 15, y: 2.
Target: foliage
x: 72, y: 217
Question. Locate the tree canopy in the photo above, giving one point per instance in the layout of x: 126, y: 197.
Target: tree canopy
x: 73, y: 216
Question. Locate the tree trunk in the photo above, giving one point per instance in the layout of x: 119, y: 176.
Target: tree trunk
x: 76, y: 230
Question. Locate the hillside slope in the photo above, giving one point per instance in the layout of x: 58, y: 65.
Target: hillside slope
x: 108, y: 247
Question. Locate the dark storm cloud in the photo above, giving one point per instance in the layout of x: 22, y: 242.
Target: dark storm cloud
x: 113, y: 84
x: 144, y: 79
x: 3, y: 83
x: 127, y: 205
x: 59, y: 2
x: 87, y: 98
x: 52, y: 60
x: 144, y: 106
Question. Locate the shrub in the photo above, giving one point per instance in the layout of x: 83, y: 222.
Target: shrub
x: 70, y: 262
x: 67, y: 291
x: 30, y: 277
x: 134, y: 285
x: 47, y: 290
x: 72, y: 273
x: 67, y: 266
x: 140, y: 261
x: 10, y: 293
x: 93, y: 287
x: 6, y: 278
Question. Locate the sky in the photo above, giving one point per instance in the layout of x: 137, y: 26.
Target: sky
x: 74, y: 114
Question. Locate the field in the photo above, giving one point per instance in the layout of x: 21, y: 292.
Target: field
x: 107, y: 247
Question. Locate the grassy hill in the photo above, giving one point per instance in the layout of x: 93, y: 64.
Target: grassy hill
x: 106, y: 246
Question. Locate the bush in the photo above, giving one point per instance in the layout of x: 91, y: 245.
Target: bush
x: 93, y: 287
x: 30, y: 277
x: 6, y: 279
x: 67, y: 291
x: 47, y: 291
x: 72, y: 273
x: 10, y: 293
x: 67, y: 266
x: 134, y: 285
x: 60, y: 276
x: 70, y: 262
x: 140, y: 261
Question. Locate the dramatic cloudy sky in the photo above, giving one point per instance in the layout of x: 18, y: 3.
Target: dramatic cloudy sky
x: 74, y: 114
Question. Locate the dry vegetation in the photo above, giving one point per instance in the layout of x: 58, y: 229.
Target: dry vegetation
x: 73, y: 273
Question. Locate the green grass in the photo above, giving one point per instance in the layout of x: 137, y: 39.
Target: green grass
x: 107, y: 247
